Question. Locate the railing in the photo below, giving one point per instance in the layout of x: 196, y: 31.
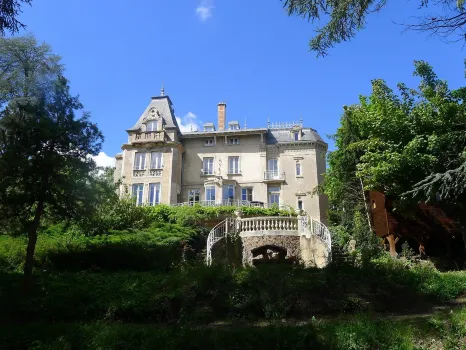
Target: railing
x: 216, y: 234
x: 314, y: 227
x: 274, y: 175
x: 228, y: 203
x: 145, y: 172
x: 148, y: 136
x: 285, y: 125
x: 320, y: 230
x: 268, y: 223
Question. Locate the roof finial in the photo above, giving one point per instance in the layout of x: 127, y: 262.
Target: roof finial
x: 301, y: 121
x: 191, y: 127
x: 245, y: 124
x: 268, y: 123
x: 162, y: 90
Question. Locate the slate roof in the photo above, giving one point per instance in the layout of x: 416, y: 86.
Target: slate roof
x: 283, y: 135
x: 164, y: 105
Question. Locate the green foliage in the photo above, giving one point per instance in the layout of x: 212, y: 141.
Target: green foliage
x: 64, y: 248
x: 391, y: 142
x: 345, y: 18
x: 28, y: 68
x: 9, y: 12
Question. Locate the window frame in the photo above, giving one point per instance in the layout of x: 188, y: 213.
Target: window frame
x: 231, y: 141
x: 194, y: 195
x: 160, y: 165
x: 300, y: 167
x: 154, y: 123
x: 208, y: 144
x: 271, y: 193
x: 156, y: 196
x: 137, y: 156
x: 138, y: 194
x: 230, y: 168
x: 245, y: 194
x: 204, y: 165
x: 210, y: 193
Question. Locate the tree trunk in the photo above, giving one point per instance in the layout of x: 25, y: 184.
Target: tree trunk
x: 392, y: 243
x: 32, y: 240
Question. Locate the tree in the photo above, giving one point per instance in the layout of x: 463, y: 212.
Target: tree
x: 347, y: 17
x: 27, y: 69
x: 409, y: 145
x: 45, y: 171
x: 9, y: 11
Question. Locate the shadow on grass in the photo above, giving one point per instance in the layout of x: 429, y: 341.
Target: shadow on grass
x: 361, y: 332
x: 199, y: 294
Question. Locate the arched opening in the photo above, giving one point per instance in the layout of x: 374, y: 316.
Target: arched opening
x: 269, y: 254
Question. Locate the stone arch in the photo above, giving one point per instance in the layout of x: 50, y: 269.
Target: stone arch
x: 287, y: 247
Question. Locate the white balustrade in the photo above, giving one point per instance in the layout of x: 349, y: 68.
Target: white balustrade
x: 269, y: 223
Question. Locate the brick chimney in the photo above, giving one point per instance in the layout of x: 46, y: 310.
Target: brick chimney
x: 222, y: 111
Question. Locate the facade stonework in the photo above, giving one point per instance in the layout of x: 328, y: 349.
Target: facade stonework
x: 277, y: 165
x: 252, y: 244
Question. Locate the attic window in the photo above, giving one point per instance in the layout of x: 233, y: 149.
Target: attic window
x: 233, y: 125
x: 151, y: 125
x: 209, y: 127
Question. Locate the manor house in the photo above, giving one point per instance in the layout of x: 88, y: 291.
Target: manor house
x: 223, y: 164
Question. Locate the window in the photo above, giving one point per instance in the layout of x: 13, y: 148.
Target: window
x: 210, y: 193
x: 137, y: 192
x: 208, y: 166
x: 272, y: 168
x: 296, y: 136
x: 233, y: 165
x: 234, y: 126
x: 246, y: 194
x: 300, y: 205
x: 152, y: 125
x: 374, y: 205
x: 156, y: 160
x: 140, y: 161
x: 234, y: 141
x: 298, y: 169
x: 193, y: 195
x: 229, y: 193
x: 209, y: 143
x: 274, y: 195
x: 154, y: 193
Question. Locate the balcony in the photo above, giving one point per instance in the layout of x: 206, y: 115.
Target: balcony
x: 274, y: 176
x: 149, y: 136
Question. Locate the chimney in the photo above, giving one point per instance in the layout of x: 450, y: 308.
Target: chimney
x: 222, y: 111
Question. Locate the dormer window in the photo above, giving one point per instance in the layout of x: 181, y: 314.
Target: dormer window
x: 152, y: 125
x: 209, y: 143
x: 209, y: 127
x: 233, y: 125
x: 296, y: 135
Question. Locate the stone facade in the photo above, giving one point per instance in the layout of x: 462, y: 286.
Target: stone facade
x: 288, y: 243
x: 279, y: 164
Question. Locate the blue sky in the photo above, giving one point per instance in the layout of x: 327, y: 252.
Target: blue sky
x: 249, y: 54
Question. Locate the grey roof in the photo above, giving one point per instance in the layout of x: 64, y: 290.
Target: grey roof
x: 226, y: 132
x: 209, y: 124
x: 233, y: 122
x: 163, y: 104
x: 283, y: 135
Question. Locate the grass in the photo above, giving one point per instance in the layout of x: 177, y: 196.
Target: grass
x: 440, y: 331
x: 129, y: 289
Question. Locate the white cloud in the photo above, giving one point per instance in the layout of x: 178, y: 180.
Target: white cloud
x: 204, y: 10
x: 104, y: 160
x: 188, y: 123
